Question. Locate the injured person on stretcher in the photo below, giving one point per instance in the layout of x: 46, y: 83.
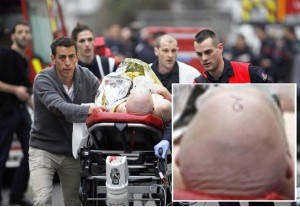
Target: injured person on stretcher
x: 143, y: 101
x: 133, y: 89
x: 129, y: 90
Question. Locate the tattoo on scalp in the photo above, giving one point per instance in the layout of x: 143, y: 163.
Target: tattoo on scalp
x: 237, y: 105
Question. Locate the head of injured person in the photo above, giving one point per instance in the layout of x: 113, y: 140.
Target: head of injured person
x: 139, y: 101
x: 236, y: 145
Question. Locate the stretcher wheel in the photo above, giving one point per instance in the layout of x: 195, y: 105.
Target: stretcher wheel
x: 161, y: 196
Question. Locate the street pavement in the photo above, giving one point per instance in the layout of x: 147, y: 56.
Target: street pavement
x: 57, y: 198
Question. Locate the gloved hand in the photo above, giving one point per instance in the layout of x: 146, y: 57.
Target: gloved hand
x: 164, y: 145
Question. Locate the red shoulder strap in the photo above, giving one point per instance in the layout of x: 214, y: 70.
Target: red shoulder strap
x: 241, y: 72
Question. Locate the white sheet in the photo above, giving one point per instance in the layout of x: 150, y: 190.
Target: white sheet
x: 79, y: 135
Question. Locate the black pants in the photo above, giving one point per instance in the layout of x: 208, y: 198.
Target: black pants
x: 16, y: 121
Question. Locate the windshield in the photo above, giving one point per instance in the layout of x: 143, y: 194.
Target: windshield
x: 41, y: 29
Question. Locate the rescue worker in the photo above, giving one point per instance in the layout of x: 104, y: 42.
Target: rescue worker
x: 169, y: 71
x: 98, y: 65
x: 59, y: 92
x: 15, y: 94
x: 209, y: 50
x: 167, y: 68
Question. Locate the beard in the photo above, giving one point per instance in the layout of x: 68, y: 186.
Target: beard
x: 22, y: 44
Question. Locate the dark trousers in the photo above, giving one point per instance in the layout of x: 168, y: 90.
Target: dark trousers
x: 16, y: 121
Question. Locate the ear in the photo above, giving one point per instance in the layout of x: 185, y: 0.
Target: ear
x: 52, y: 59
x: 221, y: 47
x: 156, y: 51
x: 177, y: 176
x: 289, y: 172
x: 288, y: 185
x: 177, y: 161
x: 12, y: 37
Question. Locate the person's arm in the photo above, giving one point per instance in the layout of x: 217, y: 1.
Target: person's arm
x: 258, y: 75
x: 20, y: 91
x: 94, y: 108
x: 168, y: 133
x: 121, y: 108
x: 48, y: 93
x: 162, y: 107
x: 161, y: 90
x: 165, y: 143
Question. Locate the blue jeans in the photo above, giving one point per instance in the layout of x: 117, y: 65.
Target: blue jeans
x: 16, y: 121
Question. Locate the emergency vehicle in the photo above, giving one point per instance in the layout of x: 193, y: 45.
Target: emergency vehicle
x: 47, y: 23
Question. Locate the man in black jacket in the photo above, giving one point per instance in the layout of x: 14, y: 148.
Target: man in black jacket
x: 220, y: 70
x: 15, y: 90
x: 98, y: 65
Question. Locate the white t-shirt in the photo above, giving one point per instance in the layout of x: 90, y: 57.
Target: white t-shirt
x: 70, y: 91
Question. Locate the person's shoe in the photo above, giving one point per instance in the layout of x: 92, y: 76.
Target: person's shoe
x: 20, y: 202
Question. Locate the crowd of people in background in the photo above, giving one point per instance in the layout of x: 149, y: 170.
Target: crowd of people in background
x: 276, y: 54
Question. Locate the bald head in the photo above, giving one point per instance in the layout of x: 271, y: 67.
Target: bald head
x: 164, y: 39
x: 235, y: 144
x: 139, y: 101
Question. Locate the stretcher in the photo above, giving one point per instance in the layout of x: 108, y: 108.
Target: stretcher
x: 131, y: 136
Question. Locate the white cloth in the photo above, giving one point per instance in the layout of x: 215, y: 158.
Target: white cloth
x: 111, y: 64
x: 187, y: 73
x: 79, y: 135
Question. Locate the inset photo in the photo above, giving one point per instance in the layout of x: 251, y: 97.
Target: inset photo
x: 234, y: 142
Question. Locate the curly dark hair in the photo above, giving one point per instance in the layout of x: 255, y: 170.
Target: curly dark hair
x: 62, y: 41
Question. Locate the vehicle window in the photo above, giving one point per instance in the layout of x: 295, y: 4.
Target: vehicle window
x: 41, y: 29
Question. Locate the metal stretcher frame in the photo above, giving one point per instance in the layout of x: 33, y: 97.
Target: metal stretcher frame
x: 144, y: 178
